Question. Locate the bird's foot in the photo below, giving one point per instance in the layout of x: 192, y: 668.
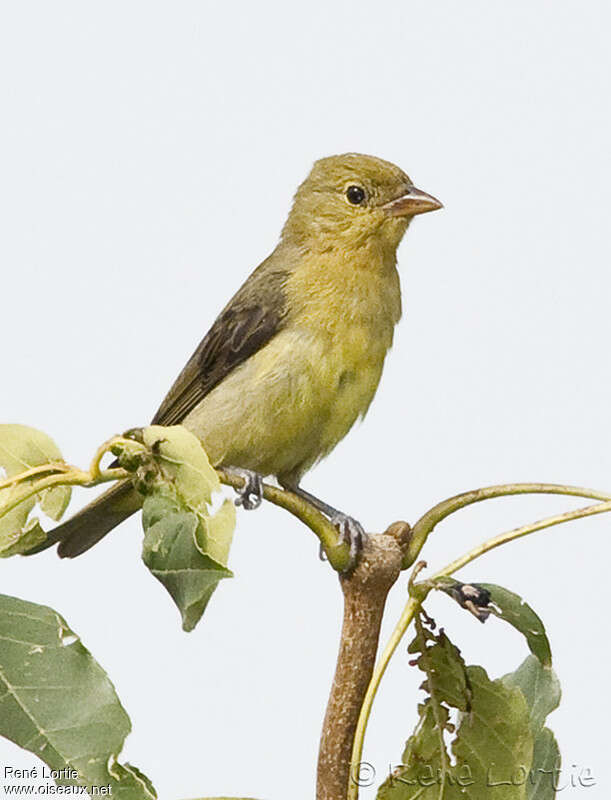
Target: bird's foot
x: 350, y: 532
x: 251, y: 494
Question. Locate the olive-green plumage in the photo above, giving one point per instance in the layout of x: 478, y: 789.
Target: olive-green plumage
x: 296, y: 356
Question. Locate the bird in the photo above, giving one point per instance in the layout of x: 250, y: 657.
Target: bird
x: 295, y: 358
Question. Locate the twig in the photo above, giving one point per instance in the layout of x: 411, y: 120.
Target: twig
x: 435, y: 515
x: 47, y: 476
x: 337, y: 552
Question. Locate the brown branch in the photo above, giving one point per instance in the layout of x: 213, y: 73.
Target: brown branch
x: 365, y: 591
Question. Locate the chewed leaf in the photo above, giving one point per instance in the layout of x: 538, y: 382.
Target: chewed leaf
x: 483, y: 723
x: 58, y: 703
x: 445, y: 669
x: 483, y: 599
x: 22, y: 448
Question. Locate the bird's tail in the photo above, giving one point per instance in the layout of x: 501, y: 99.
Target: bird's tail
x: 93, y: 522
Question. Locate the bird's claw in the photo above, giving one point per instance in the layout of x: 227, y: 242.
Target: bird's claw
x: 251, y: 494
x: 351, y: 532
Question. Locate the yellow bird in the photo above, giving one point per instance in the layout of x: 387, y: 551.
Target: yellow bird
x: 296, y: 356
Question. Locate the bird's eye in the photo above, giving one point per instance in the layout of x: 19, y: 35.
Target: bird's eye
x: 355, y: 195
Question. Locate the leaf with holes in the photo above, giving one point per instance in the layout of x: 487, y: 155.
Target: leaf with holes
x: 58, y: 703
x: 486, y: 723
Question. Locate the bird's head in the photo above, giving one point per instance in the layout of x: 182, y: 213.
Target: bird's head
x: 351, y: 199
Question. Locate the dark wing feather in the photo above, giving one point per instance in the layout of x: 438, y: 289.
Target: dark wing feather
x: 254, y: 315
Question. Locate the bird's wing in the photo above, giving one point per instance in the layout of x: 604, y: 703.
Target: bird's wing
x: 254, y: 315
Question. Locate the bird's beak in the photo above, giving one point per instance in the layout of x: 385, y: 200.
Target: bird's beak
x: 413, y: 202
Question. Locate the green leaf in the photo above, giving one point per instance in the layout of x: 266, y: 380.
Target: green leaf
x: 545, y: 771
x: 483, y: 599
x: 510, y: 607
x: 22, y: 448
x: 26, y: 535
x: 492, y: 739
x: 541, y: 690
x: 185, y: 546
x: 58, y: 703
x: 540, y: 687
x: 445, y: 669
x: 422, y: 773
x: 175, y: 551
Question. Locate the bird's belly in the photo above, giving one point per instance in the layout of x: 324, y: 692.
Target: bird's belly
x: 291, y: 403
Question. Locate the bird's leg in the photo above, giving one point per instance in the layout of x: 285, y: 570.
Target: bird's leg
x: 251, y: 494
x: 350, y: 530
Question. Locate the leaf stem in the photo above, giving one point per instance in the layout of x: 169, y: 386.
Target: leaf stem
x: 94, y: 468
x: 72, y: 477
x: 33, y: 472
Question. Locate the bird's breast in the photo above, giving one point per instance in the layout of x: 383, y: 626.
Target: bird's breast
x: 290, y: 403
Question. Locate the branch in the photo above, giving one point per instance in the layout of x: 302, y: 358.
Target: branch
x: 47, y: 476
x: 433, y: 516
x: 337, y: 552
x: 365, y: 591
x: 402, y: 625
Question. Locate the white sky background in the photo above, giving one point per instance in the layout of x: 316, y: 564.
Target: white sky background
x: 148, y: 155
